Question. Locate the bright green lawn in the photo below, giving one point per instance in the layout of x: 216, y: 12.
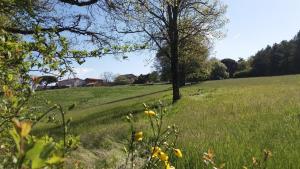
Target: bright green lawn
x: 236, y: 118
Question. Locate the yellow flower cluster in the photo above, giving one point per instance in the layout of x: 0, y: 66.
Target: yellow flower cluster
x: 150, y: 113
x: 138, y: 136
x: 168, y: 166
x: 155, y: 151
x: 158, y: 153
x: 178, y: 153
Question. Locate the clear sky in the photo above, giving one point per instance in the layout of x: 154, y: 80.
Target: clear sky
x: 253, y: 25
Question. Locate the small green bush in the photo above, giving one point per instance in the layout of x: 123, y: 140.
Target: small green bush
x: 219, y: 71
x: 243, y: 73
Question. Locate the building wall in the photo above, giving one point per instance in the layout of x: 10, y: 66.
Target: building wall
x: 71, y: 83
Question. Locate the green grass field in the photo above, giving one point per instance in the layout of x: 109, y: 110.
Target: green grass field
x: 236, y: 118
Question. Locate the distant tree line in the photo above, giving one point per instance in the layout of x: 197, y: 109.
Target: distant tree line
x: 195, y: 65
x: 279, y: 59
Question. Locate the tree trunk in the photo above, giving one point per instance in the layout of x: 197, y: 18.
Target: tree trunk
x: 173, y: 33
x: 175, y: 73
x: 182, y: 74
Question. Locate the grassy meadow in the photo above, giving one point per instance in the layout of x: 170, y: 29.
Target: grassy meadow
x: 236, y: 118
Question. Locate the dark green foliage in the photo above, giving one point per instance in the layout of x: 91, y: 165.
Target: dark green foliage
x: 162, y: 64
x: 296, y: 54
x: 154, y: 76
x: 142, y: 79
x: 122, y: 80
x: 193, y: 64
x: 243, y: 73
x: 231, y: 65
x: 148, y: 78
x: 279, y: 59
x: 242, y: 64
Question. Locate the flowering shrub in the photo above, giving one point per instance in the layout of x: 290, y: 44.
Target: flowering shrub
x: 156, y: 149
x: 19, y: 149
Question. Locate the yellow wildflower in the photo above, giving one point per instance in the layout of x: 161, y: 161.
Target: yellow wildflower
x: 208, y: 157
x: 254, y: 161
x: 178, y: 153
x: 138, y: 136
x: 168, y: 165
x: 150, y: 113
x: 163, y: 156
x: 155, y: 151
x: 267, y: 154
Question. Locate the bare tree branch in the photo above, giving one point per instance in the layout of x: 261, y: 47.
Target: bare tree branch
x: 79, y: 3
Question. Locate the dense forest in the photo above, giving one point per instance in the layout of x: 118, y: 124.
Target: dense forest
x: 279, y: 59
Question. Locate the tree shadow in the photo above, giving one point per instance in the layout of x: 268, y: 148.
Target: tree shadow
x: 103, y: 117
x: 134, y: 97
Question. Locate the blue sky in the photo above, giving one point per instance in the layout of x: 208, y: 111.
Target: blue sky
x: 253, y: 25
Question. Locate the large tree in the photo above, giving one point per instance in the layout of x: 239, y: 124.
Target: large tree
x: 59, y: 16
x: 192, y: 63
x: 218, y: 70
x: 61, y: 23
x: 168, y: 23
x: 231, y: 65
x: 242, y: 64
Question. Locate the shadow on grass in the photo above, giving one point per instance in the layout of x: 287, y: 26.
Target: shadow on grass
x: 113, y: 115
x: 135, y: 97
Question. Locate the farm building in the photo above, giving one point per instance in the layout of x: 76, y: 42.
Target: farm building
x: 93, y: 82
x: 129, y: 77
x: 75, y: 82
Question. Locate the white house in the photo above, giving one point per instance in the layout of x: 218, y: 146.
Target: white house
x: 75, y: 82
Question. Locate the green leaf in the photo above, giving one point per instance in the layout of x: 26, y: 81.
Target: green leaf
x: 55, y: 160
x: 10, y: 77
x: 39, y: 154
x: 48, y: 149
x: 16, y: 138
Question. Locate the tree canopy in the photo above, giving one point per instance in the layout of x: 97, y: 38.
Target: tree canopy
x: 193, y: 65
x: 231, y: 65
x: 169, y: 23
x: 218, y: 70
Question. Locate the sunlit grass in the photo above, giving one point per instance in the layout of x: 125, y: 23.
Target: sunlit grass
x: 236, y: 118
